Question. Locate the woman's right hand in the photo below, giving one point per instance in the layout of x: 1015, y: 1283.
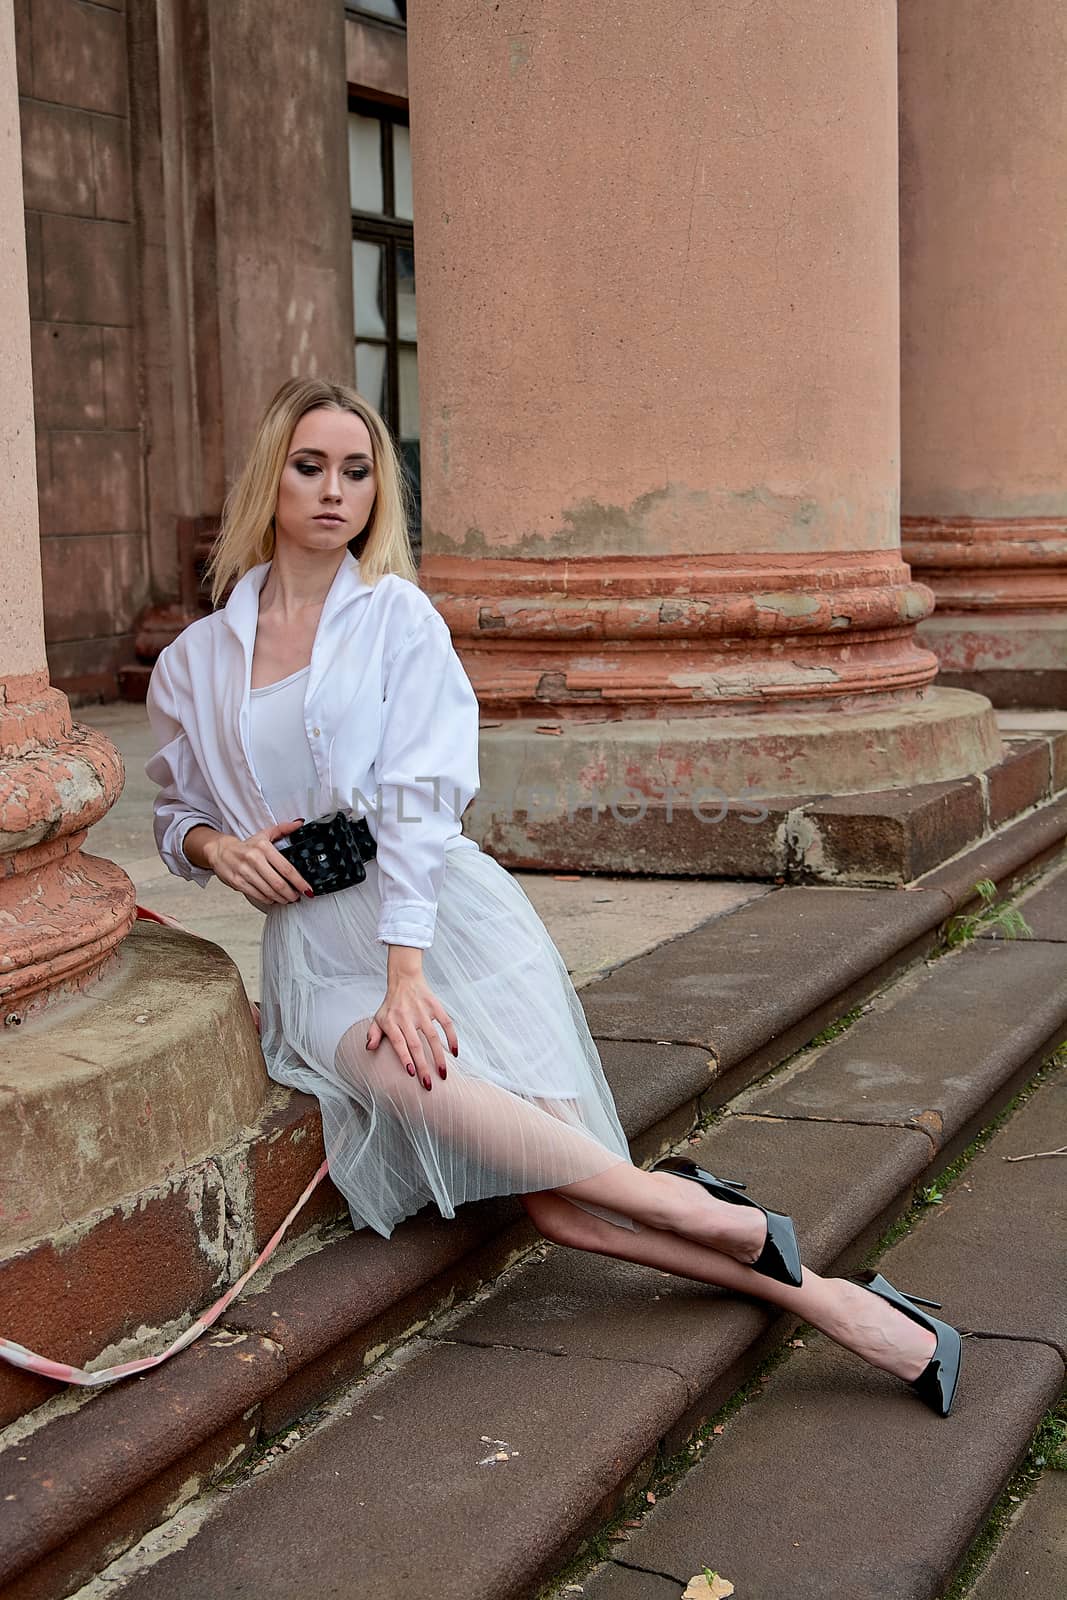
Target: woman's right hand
x: 255, y: 868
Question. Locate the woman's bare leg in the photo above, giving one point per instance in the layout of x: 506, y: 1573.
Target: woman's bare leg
x: 539, y: 1149
x: 845, y: 1311
x: 680, y: 1226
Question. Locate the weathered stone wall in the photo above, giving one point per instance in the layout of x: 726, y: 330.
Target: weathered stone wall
x: 72, y: 74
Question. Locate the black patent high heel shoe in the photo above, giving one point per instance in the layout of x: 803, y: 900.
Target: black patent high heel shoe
x: 780, y: 1257
x: 936, y: 1383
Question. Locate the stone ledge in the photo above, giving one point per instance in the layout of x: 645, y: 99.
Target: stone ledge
x: 124, y: 1280
x: 73, y: 1471
x: 939, y: 1052
x: 887, y: 1513
x: 1045, y: 910
x: 1032, y: 1557
x: 878, y: 838
x: 99, y: 1116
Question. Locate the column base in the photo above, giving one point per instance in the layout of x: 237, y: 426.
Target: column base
x: 699, y: 796
x: 1014, y: 658
x: 140, y: 1176
x: 64, y: 914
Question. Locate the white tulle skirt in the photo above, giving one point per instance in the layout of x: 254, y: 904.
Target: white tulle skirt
x: 525, y: 1105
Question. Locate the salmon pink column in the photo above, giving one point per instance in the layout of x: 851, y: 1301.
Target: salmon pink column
x: 62, y: 913
x: 984, y: 358
x: 658, y: 350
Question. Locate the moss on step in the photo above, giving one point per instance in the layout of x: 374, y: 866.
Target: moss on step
x: 934, y: 1193
x: 1047, y: 1452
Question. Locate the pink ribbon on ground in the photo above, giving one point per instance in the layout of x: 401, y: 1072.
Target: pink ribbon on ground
x: 19, y: 1356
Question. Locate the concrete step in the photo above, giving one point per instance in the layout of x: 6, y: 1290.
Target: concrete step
x: 1031, y: 1559
x: 768, y: 983
x: 581, y: 1370
x: 741, y: 998
x: 899, y: 1493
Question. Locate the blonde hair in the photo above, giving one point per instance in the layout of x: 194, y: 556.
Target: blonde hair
x: 246, y: 534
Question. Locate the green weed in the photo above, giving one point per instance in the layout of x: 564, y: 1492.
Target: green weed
x: 1006, y: 919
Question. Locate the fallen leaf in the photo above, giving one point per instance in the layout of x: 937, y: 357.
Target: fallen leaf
x: 708, y: 1588
x: 501, y: 1455
x: 650, y: 1497
x: 720, y: 1427
x: 545, y: 729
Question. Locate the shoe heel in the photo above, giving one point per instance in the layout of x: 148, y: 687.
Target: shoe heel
x: 873, y: 1280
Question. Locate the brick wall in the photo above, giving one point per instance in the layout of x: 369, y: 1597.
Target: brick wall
x: 72, y: 69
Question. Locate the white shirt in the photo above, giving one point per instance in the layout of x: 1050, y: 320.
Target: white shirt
x: 391, y: 721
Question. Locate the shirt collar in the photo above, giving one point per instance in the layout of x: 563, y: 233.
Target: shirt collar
x: 241, y: 611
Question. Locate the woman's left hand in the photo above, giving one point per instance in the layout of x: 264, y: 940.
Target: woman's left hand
x: 406, y: 1017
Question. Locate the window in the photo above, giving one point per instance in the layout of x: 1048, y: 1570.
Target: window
x: 383, y: 275
x: 394, y: 10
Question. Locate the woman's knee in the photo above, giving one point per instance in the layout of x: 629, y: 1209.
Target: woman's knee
x: 380, y: 1071
x: 555, y: 1218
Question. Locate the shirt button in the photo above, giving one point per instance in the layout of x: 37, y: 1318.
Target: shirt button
x: 315, y: 733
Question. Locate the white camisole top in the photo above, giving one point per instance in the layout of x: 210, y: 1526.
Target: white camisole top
x: 281, y: 755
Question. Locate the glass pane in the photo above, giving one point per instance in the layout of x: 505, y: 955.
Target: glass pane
x: 409, y: 394
x: 365, y: 163
x: 368, y: 288
x: 381, y: 8
x: 370, y: 374
x: 402, y: 171
x: 405, y: 292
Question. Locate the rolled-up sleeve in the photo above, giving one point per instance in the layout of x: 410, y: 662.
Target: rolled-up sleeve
x: 426, y: 774
x: 184, y: 800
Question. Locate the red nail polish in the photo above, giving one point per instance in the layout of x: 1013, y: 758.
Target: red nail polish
x: 426, y: 1084
x: 455, y: 1052
x: 309, y: 893
x: 411, y: 1069
x: 443, y: 1071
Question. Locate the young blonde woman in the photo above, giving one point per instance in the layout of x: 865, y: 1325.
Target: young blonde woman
x: 426, y: 1007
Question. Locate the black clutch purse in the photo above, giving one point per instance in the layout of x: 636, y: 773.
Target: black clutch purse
x: 329, y: 853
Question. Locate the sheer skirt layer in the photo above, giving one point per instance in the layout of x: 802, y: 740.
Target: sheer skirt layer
x: 525, y: 1105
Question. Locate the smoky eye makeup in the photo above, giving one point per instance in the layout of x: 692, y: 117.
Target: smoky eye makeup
x: 305, y: 464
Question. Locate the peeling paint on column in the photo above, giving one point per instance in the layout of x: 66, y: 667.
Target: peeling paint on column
x: 788, y: 605
x: 63, y: 913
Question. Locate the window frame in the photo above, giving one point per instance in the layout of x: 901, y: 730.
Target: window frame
x: 391, y: 232
x: 360, y: 14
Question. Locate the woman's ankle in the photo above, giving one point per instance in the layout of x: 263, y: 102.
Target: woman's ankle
x: 880, y: 1333
x: 738, y: 1231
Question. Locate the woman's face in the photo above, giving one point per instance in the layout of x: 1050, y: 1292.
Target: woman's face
x: 327, y: 487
